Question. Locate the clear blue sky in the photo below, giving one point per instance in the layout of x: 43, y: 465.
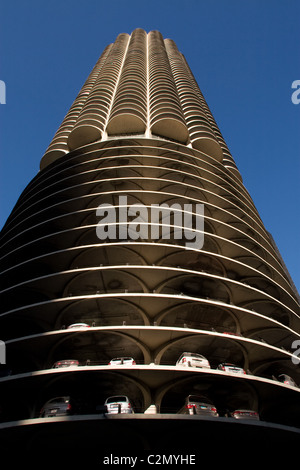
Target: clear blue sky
x: 245, y: 54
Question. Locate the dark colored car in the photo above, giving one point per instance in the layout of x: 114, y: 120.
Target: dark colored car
x: 59, y: 406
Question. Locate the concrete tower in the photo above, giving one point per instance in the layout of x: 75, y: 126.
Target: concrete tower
x: 139, y: 226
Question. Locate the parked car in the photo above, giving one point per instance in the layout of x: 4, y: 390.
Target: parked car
x: 118, y: 404
x: 286, y: 379
x: 231, y: 333
x: 79, y: 325
x: 245, y: 414
x: 199, y: 405
x: 59, y: 406
x: 227, y: 367
x: 117, y: 361
x: 188, y: 359
x: 66, y: 363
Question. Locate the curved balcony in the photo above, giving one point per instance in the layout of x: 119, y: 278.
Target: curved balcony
x: 90, y: 125
x: 129, y: 109
x: 59, y: 146
x: 166, y: 118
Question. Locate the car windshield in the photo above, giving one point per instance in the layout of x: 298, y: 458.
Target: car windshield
x: 195, y: 398
x: 59, y: 400
x: 122, y: 359
x: 115, y: 399
x: 286, y: 378
x: 199, y: 356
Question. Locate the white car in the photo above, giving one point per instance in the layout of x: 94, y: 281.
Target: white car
x: 245, y: 414
x: 126, y: 361
x: 66, y: 363
x: 118, y: 404
x: 286, y: 379
x: 79, y: 325
x: 188, y: 359
x: 227, y: 367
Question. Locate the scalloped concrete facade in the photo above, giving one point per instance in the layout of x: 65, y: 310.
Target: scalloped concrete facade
x: 151, y: 299
x: 141, y: 84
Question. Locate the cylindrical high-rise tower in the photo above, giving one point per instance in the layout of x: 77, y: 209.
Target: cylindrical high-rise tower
x: 137, y: 239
